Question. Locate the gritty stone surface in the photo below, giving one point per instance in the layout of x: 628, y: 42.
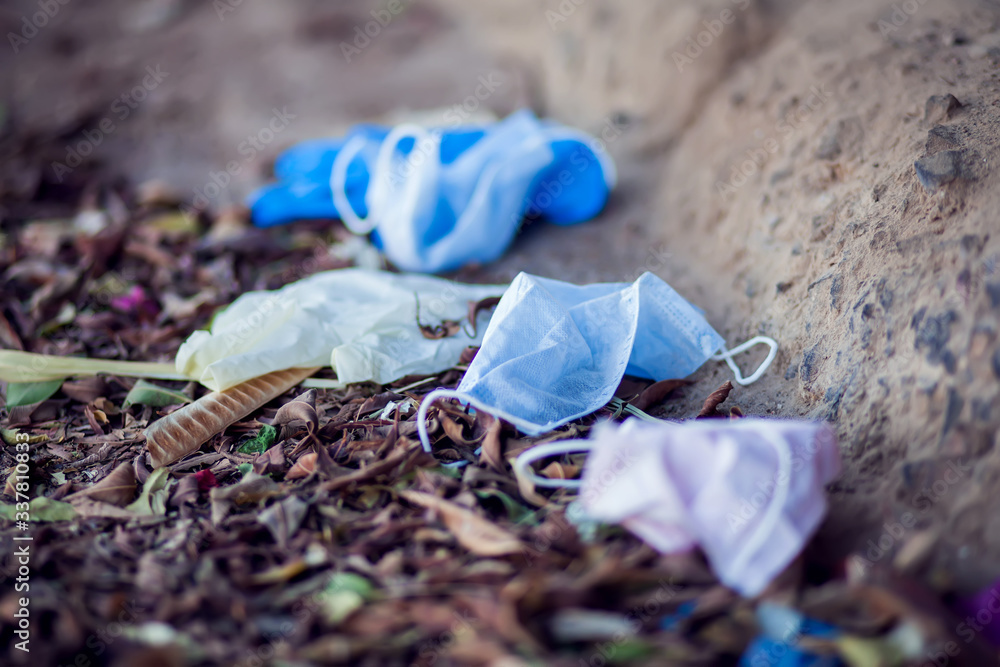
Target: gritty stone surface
x: 941, y: 107
x: 939, y: 170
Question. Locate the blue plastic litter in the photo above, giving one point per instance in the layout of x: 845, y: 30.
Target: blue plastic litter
x: 683, y: 613
x: 437, y: 199
x: 779, y: 645
x: 764, y: 652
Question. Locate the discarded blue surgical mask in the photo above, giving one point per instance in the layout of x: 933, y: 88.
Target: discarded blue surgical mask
x: 554, y: 352
x: 435, y: 200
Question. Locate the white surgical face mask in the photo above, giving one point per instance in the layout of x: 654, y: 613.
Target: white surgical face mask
x: 555, y: 352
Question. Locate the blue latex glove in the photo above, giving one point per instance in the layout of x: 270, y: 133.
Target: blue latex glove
x: 438, y: 199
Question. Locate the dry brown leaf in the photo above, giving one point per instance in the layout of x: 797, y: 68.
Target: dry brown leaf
x: 94, y: 509
x: 251, y: 489
x: 492, y: 454
x: 186, y: 492
x: 273, y: 460
x: 379, y: 401
x: 118, y: 488
x: 86, y: 389
x: 716, y: 398
x: 303, y: 408
x: 304, y: 467
x: 184, y: 431
x: 476, y: 307
x: 477, y: 534
x: 445, y: 329
x: 96, y: 418
x: 8, y: 335
x: 467, y: 356
x: 10, y: 488
x: 282, y: 519
x: 407, y: 454
x: 557, y: 470
x: 454, y: 430
x: 656, y: 393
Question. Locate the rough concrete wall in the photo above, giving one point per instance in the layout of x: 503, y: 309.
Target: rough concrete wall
x: 791, y: 203
x: 883, y: 289
x: 594, y: 60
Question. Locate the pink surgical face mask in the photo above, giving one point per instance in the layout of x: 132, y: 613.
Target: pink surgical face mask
x: 748, y: 492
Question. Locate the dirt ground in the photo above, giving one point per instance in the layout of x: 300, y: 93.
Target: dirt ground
x: 821, y: 172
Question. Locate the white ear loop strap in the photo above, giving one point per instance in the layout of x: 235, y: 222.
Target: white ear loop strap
x: 435, y: 395
x: 380, y: 173
x: 338, y: 186
x: 522, y: 465
x: 727, y: 356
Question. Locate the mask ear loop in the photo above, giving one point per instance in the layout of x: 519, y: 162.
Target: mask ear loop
x: 438, y: 394
x: 338, y: 186
x: 727, y: 356
x: 522, y: 465
x: 378, y: 193
x: 771, y: 519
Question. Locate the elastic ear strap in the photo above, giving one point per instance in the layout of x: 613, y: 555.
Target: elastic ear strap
x: 727, y: 356
x: 338, y: 186
x: 522, y: 465
x: 765, y: 530
x: 435, y: 395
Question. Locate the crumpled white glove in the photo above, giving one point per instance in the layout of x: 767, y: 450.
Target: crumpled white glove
x: 361, y: 322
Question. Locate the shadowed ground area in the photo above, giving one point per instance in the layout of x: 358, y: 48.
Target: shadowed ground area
x: 819, y: 173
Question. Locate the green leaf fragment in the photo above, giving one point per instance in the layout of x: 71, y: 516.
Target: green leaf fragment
x: 344, y: 594
x: 29, y: 393
x: 41, y: 509
x: 516, y: 512
x: 153, y: 499
x: 10, y: 437
x: 147, y: 393
x: 261, y: 442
